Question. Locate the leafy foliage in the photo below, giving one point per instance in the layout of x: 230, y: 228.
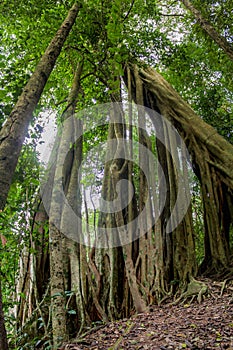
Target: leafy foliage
x: 15, y: 223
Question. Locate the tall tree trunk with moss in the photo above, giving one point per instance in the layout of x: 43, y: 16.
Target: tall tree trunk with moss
x: 69, y: 264
x: 178, y: 249
x: 111, y: 259
x: 176, y: 259
x: 212, y: 162
x: 14, y: 131
x: 58, y: 215
x: 119, y: 265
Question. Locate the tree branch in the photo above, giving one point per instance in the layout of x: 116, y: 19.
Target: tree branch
x: 209, y: 29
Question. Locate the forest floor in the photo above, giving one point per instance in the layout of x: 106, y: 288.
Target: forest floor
x: 189, y: 325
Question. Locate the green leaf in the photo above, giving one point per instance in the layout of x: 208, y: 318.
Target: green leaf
x: 72, y: 312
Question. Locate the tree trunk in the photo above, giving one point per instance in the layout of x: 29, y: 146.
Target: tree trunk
x: 119, y: 171
x: 209, y: 29
x: 112, y: 271
x: 59, y: 218
x: 212, y: 158
x: 14, y: 131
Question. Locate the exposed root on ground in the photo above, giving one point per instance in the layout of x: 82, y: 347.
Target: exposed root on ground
x: 195, y: 289
x: 204, y: 326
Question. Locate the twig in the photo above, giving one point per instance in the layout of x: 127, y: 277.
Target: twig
x: 92, y: 330
x: 223, y: 287
x: 117, y: 343
x: 127, y: 14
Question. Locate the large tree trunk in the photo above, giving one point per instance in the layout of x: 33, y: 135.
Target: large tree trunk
x: 175, y: 261
x: 119, y: 264
x: 59, y: 214
x: 14, y: 131
x: 212, y: 158
x: 111, y: 261
x: 64, y: 254
x: 209, y: 29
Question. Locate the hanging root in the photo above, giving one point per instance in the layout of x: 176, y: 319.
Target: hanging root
x: 195, y: 289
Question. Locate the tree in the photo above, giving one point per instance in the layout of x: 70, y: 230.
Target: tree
x: 215, y: 173
x: 57, y: 214
x: 209, y: 29
x: 90, y: 284
x: 13, y: 132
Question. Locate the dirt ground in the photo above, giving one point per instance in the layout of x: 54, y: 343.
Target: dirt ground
x: 189, y: 325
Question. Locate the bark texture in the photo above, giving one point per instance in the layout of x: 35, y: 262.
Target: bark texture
x: 13, y: 132
x: 59, y: 248
x: 174, y: 251
x: 212, y: 158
